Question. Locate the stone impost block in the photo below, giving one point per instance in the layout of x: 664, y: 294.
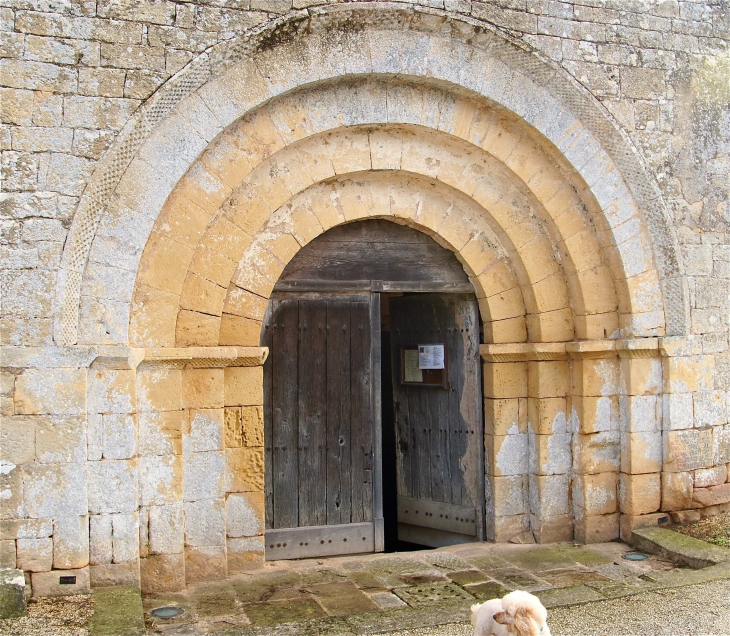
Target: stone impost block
x: 112, y: 391
x: 12, y: 594
x: 34, y: 555
x: 204, y: 430
x: 641, y: 452
x: 8, y: 554
x: 639, y: 494
x: 244, y: 386
x: 711, y: 496
x: 56, y: 391
x: 676, y: 491
x: 641, y: 376
x: 598, y: 529
x: 706, y: 477
x: 204, y: 475
x: 597, y: 453
x: 245, y: 514
x: 70, y: 542
x: 245, y: 553
x: 166, y: 529
x: 548, y: 416
x: 159, y: 389
x: 507, y: 454
x: 509, y: 495
x: 596, y: 378
x: 206, y: 563
x: 550, y: 454
x: 113, y: 486
x: 688, y: 449
x: 245, y: 469
x: 504, y: 417
x: 595, y: 494
x: 203, y: 388
x: 548, y: 378
x: 505, y: 379
x: 629, y: 523
x: 161, y: 573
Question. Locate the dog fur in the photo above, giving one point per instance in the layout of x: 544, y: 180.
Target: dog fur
x: 517, y: 614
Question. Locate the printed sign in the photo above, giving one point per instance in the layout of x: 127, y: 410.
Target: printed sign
x: 431, y: 356
x: 412, y: 373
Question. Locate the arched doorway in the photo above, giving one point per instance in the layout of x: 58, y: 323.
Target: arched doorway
x: 368, y: 443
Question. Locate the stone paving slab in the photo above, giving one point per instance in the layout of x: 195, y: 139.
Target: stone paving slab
x: 371, y: 594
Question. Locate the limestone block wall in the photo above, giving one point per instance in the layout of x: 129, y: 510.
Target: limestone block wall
x: 108, y: 452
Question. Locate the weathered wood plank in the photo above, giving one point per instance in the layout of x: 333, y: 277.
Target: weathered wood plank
x: 285, y: 435
x: 362, y: 413
x: 339, y: 474
x: 267, y: 341
x: 438, y: 515
x: 318, y: 541
x: 312, y: 406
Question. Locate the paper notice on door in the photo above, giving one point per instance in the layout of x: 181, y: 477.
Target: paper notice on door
x: 431, y: 356
x: 411, y: 372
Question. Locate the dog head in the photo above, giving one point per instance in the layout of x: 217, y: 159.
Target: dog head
x: 523, y: 615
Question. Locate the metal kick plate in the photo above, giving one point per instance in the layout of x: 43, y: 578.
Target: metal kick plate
x: 317, y: 541
x: 437, y: 515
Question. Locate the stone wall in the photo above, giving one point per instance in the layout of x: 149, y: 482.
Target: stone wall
x: 86, y: 423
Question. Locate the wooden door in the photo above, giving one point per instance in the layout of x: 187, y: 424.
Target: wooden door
x: 320, y: 425
x: 438, y: 429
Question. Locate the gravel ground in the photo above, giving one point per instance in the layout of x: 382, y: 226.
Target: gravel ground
x: 63, y: 616
x: 696, y: 610
x: 715, y: 529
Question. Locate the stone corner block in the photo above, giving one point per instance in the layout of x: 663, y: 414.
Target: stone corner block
x: 12, y: 594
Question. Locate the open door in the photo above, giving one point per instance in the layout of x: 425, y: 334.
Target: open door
x: 438, y: 424
x: 320, y: 425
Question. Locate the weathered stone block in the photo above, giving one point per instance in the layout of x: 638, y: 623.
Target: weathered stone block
x: 12, y: 594
x: 596, y: 414
x: 245, y: 554
x: 641, y: 452
x: 676, y: 491
x: 711, y: 496
x: 595, y: 377
x: 550, y: 454
x: 204, y: 475
x: 549, y: 496
x: 710, y: 408
x: 244, y: 386
x: 60, y: 439
x: 547, y: 416
x: 34, y: 555
x: 639, y: 494
x: 688, y: 450
x: 233, y: 433
x: 57, y: 391
x: 252, y: 423
x: 161, y: 573
x: 166, y: 529
x: 641, y: 376
x: 205, y: 564
x: 125, y: 538
x: 112, y: 391
x: 160, y: 433
x: 54, y: 490
x: 688, y: 374
x: 203, y: 388
x: 641, y: 413
x: 507, y: 454
x: 204, y: 430
x: 70, y: 542
x: 596, y: 453
x: 552, y: 530
x: 25, y: 529
x: 509, y: 495
x: 205, y: 523
x: 678, y: 411
x: 8, y: 555
x: 17, y: 439
x: 505, y: 379
x: 113, y: 574
x: 160, y: 479
x: 119, y: 436
x: 11, y: 487
x: 595, y: 494
x: 597, y: 529
x: 629, y: 523
x: 159, y: 389
x: 715, y: 476
x: 113, y: 486
x: 503, y: 417
x: 507, y: 527
x: 245, y: 514
x: 245, y: 469
x: 548, y: 379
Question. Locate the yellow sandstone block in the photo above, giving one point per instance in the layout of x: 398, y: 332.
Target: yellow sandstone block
x: 245, y: 467
x: 385, y: 150
x: 596, y: 414
x: 550, y: 294
x: 599, y: 493
x: 226, y: 238
x: 538, y: 259
x: 505, y: 417
x: 478, y: 255
x: 305, y: 225
x: 457, y: 229
x: 596, y: 326
x: 506, y: 304
x: 566, y: 208
x: 252, y: 424
x: 152, y: 317
x: 551, y: 326
x: 501, y: 138
x: 244, y: 386
x: 182, y: 220
x: 350, y: 152
x: 247, y: 210
x: 203, y: 188
x: 545, y: 183
x: 502, y: 331
x: 583, y: 249
x: 641, y: 376
x: 236, y: 330
x: 548, y: 378
x: 497, y: 279
x: 640, y: 494
x: 213, y: 266
x: 194, y: 329
x: 597, y: 292
x: 241, y: 302
x: 505, y: 379
x: 202, y: 295
x: 164, y: 264
x: 595, y: 377
x: 525, y: 160
x: 547, y: 415
x: 203, y: 388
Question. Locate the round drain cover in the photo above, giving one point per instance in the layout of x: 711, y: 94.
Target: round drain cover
x: 167, y: 612
x: 635, y: 556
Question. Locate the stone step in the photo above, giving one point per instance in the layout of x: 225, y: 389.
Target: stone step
x: 117, y: 612
x: 678, y: 548
x: 12, y: 594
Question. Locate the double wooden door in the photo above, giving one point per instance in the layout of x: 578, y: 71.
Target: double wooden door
x: 320, y: 425
x: 438, y: 428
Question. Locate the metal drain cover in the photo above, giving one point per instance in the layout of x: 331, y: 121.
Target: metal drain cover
x: 167, y: 612
x: 635, y: 556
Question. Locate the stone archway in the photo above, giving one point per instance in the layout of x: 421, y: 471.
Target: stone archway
x: 500, y: 160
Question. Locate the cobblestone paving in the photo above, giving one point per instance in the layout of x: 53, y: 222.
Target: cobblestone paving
x: 380, y: 593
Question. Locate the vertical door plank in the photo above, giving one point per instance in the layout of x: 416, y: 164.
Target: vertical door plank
x: 312, y: 407
x: 339, y: 471
x: 284, y: 420
x: 267, y: 341
x: 362, y: 414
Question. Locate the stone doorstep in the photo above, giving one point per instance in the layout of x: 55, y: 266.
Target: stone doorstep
x: 679, y: 548
x: 117, y: 612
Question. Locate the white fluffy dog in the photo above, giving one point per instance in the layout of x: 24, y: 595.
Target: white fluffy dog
x: 518, y: 613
